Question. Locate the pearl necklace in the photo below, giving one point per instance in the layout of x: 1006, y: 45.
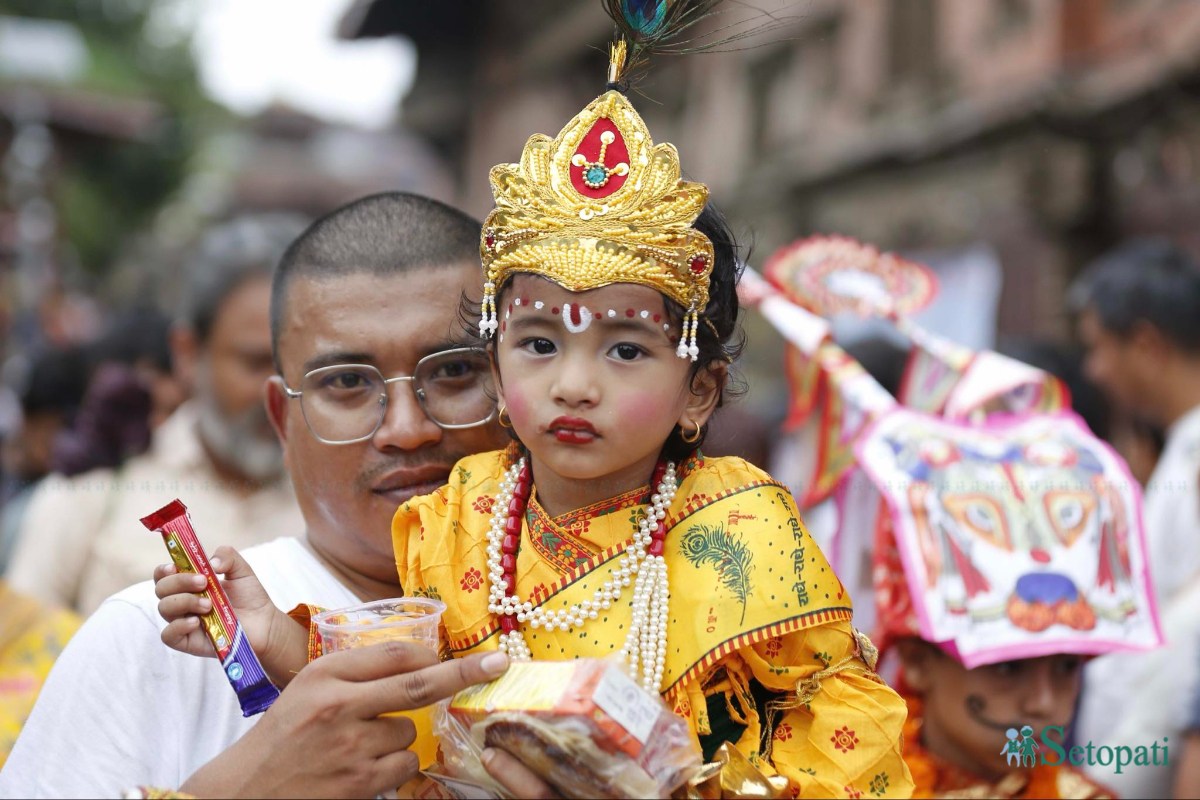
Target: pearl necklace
x: 642, y: 565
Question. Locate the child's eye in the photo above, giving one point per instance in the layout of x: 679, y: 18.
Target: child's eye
x: 626, y: 352
x: 1006, y: 669
x: 543, y: 347
x: 1067, y: 666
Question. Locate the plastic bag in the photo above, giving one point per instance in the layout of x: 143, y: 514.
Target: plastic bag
x: 584, y: 726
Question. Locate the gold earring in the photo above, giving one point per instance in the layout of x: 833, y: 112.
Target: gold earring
x: 695, y: 437
x: 504, y: 423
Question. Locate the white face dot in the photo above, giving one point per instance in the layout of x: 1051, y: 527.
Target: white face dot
x: 612, y: 312
x: 645, y: 314
x: 517, y: 302
x: 539, y: 305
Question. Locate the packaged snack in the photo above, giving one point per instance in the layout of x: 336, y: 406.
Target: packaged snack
x: 254, y: 689
x: 584, y: 726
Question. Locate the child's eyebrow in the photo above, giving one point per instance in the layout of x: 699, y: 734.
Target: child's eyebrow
x: 529, y: 321
x: 633, y: 325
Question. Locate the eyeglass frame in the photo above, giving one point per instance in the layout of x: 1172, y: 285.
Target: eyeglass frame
x: 297, y: 394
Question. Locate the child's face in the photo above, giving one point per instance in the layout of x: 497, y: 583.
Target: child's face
x: 967, y: 712
x: 591, y: 381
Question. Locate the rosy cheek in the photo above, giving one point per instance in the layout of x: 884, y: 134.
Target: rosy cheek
x: 639, y: 409
x: 516, y: 402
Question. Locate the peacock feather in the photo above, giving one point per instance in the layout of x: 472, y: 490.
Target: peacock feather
x: 653, y: 27
x: 729, y: 555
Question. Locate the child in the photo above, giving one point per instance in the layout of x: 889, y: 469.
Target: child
x: 610, y: 306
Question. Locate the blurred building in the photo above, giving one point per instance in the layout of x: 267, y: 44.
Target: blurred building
x: 1043, y: 129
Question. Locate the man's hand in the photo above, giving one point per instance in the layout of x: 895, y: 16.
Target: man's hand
x: 324, y: 737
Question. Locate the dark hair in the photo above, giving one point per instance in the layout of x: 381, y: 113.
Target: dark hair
x: 719, y: 337
x: 382, y: 234
x: 1144, y: 280
x: 229, y: 255
x: 722, y: 341
x: 137, y: 335
x: 54, y: 381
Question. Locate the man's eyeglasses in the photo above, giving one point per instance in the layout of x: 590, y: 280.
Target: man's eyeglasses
x: 346, y: 403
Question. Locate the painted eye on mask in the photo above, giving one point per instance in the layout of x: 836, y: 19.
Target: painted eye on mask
x: 978, y: 516
x: 1068, y: 512
x: 981, y: 516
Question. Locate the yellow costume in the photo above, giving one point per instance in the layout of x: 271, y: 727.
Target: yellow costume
x: 31, y: 637
x: 761, y: 651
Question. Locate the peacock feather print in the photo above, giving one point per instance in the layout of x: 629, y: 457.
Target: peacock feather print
x: 724, y: 551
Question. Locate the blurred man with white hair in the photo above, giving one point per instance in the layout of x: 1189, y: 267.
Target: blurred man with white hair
x: 80, y: 540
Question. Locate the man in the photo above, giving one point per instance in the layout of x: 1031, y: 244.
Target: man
x: 80, y: 540
x: 376, y: 284
x: 1140, y: 321
x: 1139, y: 318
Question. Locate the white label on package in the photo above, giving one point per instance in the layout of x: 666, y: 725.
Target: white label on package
x: 627, y: 703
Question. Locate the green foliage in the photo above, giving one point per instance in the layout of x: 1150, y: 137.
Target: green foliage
x: 108, y: 187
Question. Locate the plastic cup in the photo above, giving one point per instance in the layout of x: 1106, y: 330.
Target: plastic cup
x: 401, y: 619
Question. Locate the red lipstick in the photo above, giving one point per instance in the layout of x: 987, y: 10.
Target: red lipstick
x: 572, y: 430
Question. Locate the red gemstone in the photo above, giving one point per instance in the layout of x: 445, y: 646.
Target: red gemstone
x: 698, y: 264
x: 659, y: 533
x: 508, y: 623
x: 655, y: 548
x: 490, y: 240
x: 516, y: 507
x: 522, y: 490
x: 508, y: 563
x: 510, y: 543
x: 512, y: 526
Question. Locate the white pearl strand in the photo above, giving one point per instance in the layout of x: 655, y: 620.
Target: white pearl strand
x: 646, y: 644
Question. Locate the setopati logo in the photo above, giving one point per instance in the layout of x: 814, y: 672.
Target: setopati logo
x: 1023, y: 749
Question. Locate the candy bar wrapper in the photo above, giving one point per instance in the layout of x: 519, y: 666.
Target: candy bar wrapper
x: 254, y: 689
x: 584, y: 726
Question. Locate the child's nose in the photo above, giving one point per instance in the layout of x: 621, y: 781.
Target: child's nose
x: 576, y: 383
x: 1038, y: 696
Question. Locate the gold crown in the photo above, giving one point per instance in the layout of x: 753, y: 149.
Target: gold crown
x: 599, y: 204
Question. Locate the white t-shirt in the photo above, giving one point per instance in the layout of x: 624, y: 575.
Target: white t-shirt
x: 1133, y: 699
x: 1136, y: 699
x: 1172, y: 509
x: 120, y: 709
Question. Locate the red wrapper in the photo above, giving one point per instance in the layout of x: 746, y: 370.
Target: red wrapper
x: 254, y: 689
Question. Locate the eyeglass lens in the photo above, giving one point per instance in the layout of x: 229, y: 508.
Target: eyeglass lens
x: 345, y: 402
